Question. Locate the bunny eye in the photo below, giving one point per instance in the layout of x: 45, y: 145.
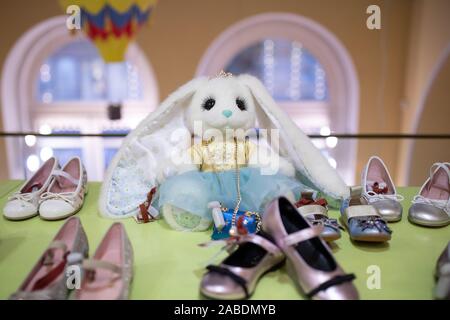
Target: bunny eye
x: 208, y: 104
x: 241, y: 104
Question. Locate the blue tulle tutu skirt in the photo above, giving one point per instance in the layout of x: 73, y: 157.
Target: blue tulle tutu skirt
x: 193, y: 190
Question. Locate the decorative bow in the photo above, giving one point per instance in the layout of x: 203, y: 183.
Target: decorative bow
x: 441, y: 204
x: 374, y: 222
x: 378, y: 190
x: 326, y: 222
x: 145, y: 216
x: 21, y: 196
x: 65, y: 196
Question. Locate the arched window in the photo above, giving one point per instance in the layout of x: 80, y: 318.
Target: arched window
x: 305, y: 68
x: 76, y: 72
x: 293, y: 76
x: 54, y: 82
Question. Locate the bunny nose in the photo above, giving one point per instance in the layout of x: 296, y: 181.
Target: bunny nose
x: 227, y: 113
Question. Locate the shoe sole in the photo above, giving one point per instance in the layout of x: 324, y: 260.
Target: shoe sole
x: 428, y: 224
x: 392, y: 219
x: 21, y: 218
x: 331, y: 238
x: 371, y: 239
x: 250, y: 294
x: 60, y: 217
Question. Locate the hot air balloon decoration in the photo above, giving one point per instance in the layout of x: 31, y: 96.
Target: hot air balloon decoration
x: 112, y: 25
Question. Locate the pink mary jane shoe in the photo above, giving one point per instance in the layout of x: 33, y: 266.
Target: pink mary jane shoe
x: 309, y: 262
x: 47, y: 280
x: 108, y: 274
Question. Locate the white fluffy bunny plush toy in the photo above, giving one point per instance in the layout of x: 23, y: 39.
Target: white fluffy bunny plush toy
x: 218, y: 139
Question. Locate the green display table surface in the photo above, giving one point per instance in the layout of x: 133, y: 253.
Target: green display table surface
x: 169, y: 264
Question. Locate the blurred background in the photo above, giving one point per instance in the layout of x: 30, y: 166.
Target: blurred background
x: 320, y: 59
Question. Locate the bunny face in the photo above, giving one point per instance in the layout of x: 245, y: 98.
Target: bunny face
x: 222, y: 103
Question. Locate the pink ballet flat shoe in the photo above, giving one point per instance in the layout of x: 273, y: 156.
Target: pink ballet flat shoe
x: 65, y: 194
x: 24, y: 203
x: 309, y: 262
x: 237, y: 276
x: 108, y: 275
x: 47, y: 280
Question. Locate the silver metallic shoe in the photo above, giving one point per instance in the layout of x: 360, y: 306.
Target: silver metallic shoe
x: 362, y: 220
x: 431, y: 207
x: 316, y: 212
x: 309, y: 261
x: 108, y: 274
x: 379, y: 190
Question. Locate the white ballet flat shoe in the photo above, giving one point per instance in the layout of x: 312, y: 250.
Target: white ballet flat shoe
x: 65, y: 195
x: 24, y: 203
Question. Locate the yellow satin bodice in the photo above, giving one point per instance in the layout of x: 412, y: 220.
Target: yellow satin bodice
x: 221, y: 155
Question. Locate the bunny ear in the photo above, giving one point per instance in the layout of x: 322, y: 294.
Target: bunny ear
x: 314, y: 168
x: 144, y: 157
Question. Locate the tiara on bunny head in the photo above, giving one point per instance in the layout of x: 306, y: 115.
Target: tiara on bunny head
x: 223, y: 74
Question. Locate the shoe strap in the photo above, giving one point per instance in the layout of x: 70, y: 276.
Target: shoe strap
x: 260, y: 241
x: 436, y: 166
x: 361, y: 211
x: 302, y: 235
x: 89, y: 266
x: 54, y: 245
x: 312, y: 209
x: 61, y: 173
x: 356, y: 192
x: 94, y: 264
x: 55, y: 272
